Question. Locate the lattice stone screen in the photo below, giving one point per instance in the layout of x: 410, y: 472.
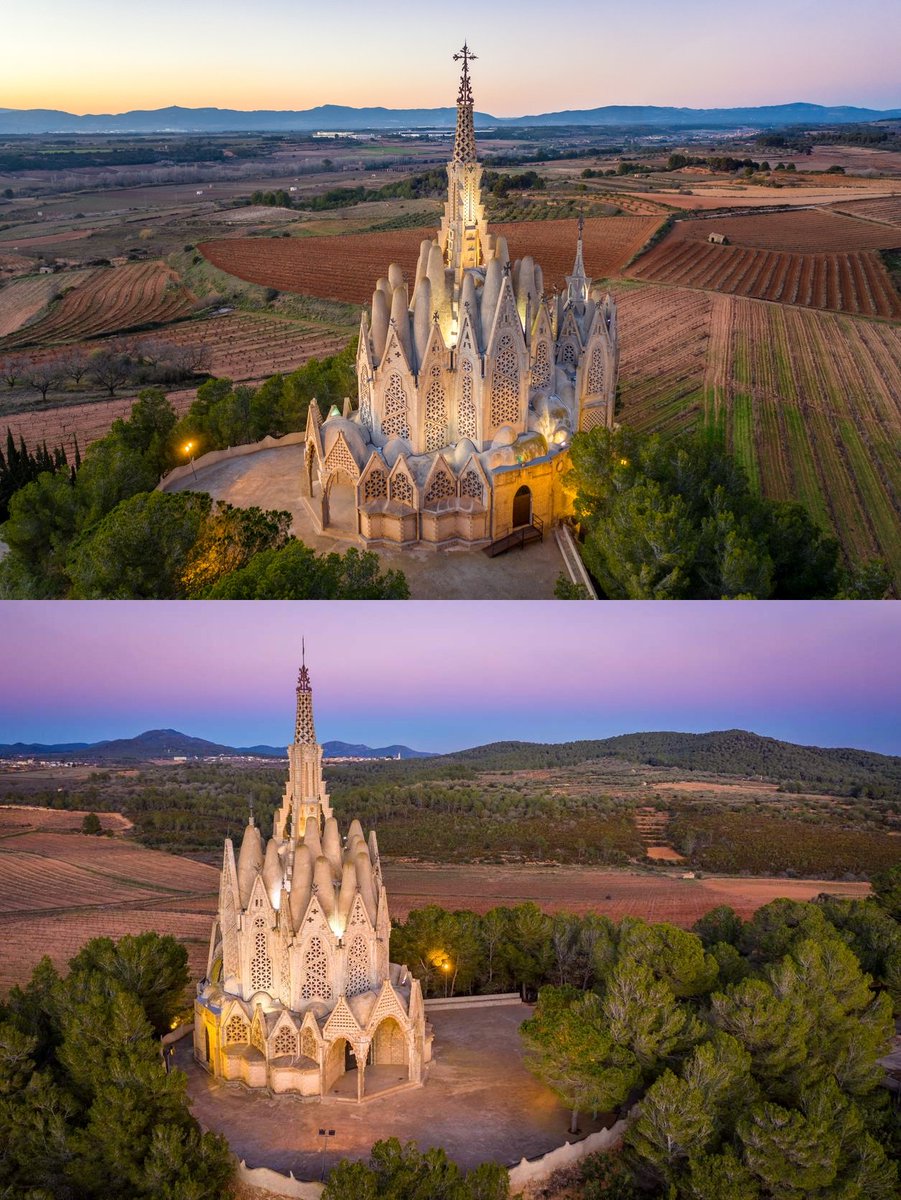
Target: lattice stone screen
x: 396, y: 421
x: 440, y: 488
x: 261, y: 964
x: 339, y: 458
x: 235, y: 1030
x: 402, y: 488
x: 375, y: 486
x: 435, y: 413
x: 315, y: 973
x: 541, y: 368
x: 466, y: 417
x: 308, y: 1045
x: 285, y: 1041
x: 569, y: 356
x: 505, y: 384
x: 357, y: 967
x: 596, y: 371
x: 471, y: 485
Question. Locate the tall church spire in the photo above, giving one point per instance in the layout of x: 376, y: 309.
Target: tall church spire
x: 304, y: 730
x: 463, y: 226
x: 465, y: 138
x: 305, y: 795
x: 578, y: 285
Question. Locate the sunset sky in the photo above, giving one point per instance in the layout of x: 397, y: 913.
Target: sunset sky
x: 442, y: 676
x: 106, y: 56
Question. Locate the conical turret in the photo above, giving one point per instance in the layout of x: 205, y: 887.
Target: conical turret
x: 250, y: 861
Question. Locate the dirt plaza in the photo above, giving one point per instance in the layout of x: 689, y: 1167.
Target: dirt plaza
x: 479, y: 1103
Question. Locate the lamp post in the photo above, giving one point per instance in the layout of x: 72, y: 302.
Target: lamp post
x: 325, y: 1134
x: 445, y: 966
x: 188, y: 449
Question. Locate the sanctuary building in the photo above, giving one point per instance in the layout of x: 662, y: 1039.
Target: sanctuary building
x: 299, y: 989
x: 470, y: 385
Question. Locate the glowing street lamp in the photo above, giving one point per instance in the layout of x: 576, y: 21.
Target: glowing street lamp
x: 445, y: 967
x: 188, y: 450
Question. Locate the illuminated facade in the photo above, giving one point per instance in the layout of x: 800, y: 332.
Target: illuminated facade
x: 299, y: 989
x: 470, y: 385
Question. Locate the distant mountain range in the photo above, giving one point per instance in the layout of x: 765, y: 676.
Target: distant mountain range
x: 726, y: 752
x: 341, y: 118
x: 169, y: 743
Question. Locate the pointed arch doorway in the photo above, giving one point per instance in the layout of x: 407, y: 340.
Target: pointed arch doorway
x: 522, y: 507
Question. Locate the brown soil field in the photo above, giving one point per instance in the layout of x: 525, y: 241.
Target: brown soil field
x: 809, y: 230
x: 58, y: 889
x: 591, y: 889
x: 21, y: 818
x: 346, y: 267
x: 245, y: 347
x: 800, y: 191
x: 886, y: 208
x: 45, y: 239
x: 110, y: 300
x: 809, y: 401
x: 61, y: 424
x: 75, y: 868
x: 847, y: 282
x: 23, y: 299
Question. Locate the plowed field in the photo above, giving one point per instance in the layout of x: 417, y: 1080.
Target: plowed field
x: 58, y: 889
x: 809, y: 401
x: 244, y: 347
x: 855, y: 282
x: 93, y: 900
x: 811, y: 230
x: 885, y: 208
x: 110, y: 301
x: 22, y: 299
x: 346, y: 267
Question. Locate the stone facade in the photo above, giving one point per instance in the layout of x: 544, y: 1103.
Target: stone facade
x: 473, y: 373
x: 299, y: 987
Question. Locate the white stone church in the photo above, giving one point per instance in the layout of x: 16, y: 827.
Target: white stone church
x: 471, y: 384
x: 299, y: 988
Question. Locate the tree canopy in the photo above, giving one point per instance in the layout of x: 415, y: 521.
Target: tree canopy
x: 677, y: 519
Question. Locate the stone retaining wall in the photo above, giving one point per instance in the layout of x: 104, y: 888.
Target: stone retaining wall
x: 217, y: 456
x: 537, y: 1170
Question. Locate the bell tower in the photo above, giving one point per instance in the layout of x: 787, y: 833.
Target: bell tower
x: 305, y: 794
x: 463, y: 226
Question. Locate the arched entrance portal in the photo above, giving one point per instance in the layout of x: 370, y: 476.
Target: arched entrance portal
x: 522, y: 507
x: 339, y: 503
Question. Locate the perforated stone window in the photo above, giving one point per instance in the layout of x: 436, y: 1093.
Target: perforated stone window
x: 285, y: 1041
x: 375, y: 486
x: 365, y: 394
x: 339, y: 458
x: 236, y: 1030
x: 256, y: 1037
x: 357, y: 967
x: 440, y: 488
x: 435, y: 412
x: 541, y: 368
x: 396, y: 421
x: 315, y: 973
x: 261, y: 964
x: 466, y: 417
x: 402, y: 488
x: 569, y: 356
x: 596, y: 371
x: 505, y: 384
x: 308, y: 1045
x: 471, y: 485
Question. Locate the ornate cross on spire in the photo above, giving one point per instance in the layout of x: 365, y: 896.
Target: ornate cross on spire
x: 464, y: 96
x: 465, y: 139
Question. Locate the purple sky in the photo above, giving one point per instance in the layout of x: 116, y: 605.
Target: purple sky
x: 440, y: 676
